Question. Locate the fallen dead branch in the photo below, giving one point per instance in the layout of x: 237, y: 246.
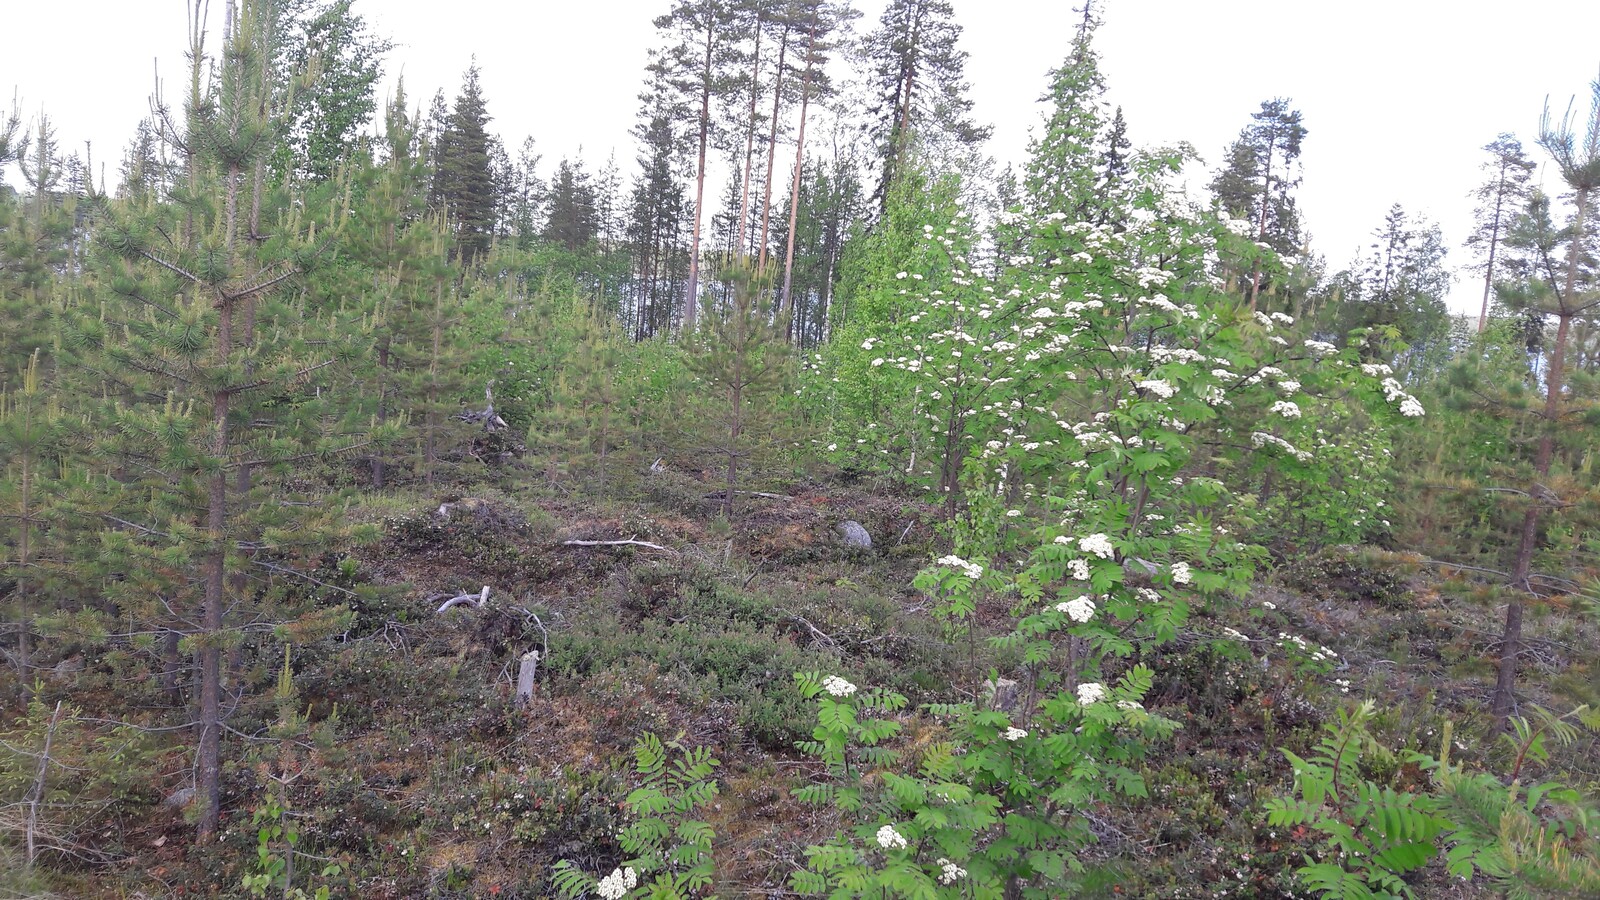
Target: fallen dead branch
x: 477, y: 600
x: 630, y: 542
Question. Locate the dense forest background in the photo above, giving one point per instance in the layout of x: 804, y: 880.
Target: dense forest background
x: 806, y: 506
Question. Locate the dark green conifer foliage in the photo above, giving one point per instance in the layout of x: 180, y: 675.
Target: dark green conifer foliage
x: 33, y: 436
x: 700, y: 64
x: 1499, y: 199
x: 1574, y: 147
x: 1063, y: 173
x: 921, y: 85
x: 740, y: 357
x: 463, y: 180
x: 1256, y: 183
x: 656, y: 222
x: 217, y: 366
x: 583, y: 433
x: 37, y: 233
x: 1401, y: 284
x: 572, y: 222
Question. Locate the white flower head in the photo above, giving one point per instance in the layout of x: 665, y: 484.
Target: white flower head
x: 1181, y: 573
x: 1079, y: 569
x: 616, y: 885
x: 1098, y: 545
x: 1090, y: 693
x: 889, y: 839
x: 1014, y: 734
x: 1158, y: 386
x: 1079, y: 610
x: 951, y: 872
x: 837, y: 686
x: 1286, y: 408
x: 970, y: 569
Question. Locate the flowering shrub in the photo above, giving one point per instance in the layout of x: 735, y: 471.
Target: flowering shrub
x: 1085, y: 391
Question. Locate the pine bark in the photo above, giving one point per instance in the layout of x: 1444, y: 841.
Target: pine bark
x: 1511, y: 644
x: 786, y: 304
x: 692, y: 301
x: 772, y: 149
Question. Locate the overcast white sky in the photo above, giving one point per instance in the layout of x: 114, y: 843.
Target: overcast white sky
x: 1398, y: 95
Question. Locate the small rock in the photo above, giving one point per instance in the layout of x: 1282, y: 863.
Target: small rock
x: 855, y: 535
x: 179, y: 798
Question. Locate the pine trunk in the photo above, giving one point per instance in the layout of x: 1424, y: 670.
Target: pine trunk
x: 785, y: 304
x: 1511, y: 642
x: 692, y: 301
x: 1494, y: 244
x: 1261, y: 225
x: 772, y: 150
x: 743, y: 224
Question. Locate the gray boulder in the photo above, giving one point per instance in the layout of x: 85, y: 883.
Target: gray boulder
x: 855, y: 535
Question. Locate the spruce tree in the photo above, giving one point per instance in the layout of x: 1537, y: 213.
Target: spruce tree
x: 572, y: 222
x: 1062, y: 173
x: 657, y: 213
x: 463, y: 180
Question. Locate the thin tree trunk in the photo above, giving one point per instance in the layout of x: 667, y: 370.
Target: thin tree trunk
x: 209, y: 758
x: 39, y: 786
x: 1511, y: 642
x: 1261, y: 225
x: 786, y: 303
x: 693, y: 299
x: 750, y: 145
x: 1494, y: 243
x: 772, y: 149
x: 24, y: 555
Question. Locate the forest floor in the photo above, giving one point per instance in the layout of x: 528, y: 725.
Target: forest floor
x: 438, y: 785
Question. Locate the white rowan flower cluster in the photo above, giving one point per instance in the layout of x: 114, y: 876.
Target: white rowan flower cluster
x: 1158, y: 386
x: 951, y: 873
x: 1014, y: 734
x: 1181, y: 573
x: 617, y: 885
x: 837, y: 686
x: 1394, y: 393
x: 889, y: 839
x: 1090, y: 693
x: 1261, y: 439
x: 1286, y: 408
x: 1079, y: 569
x: 1321, y: 348
x: 1097, y: 545
x: 1079, y: 610
x: 970, y: 569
